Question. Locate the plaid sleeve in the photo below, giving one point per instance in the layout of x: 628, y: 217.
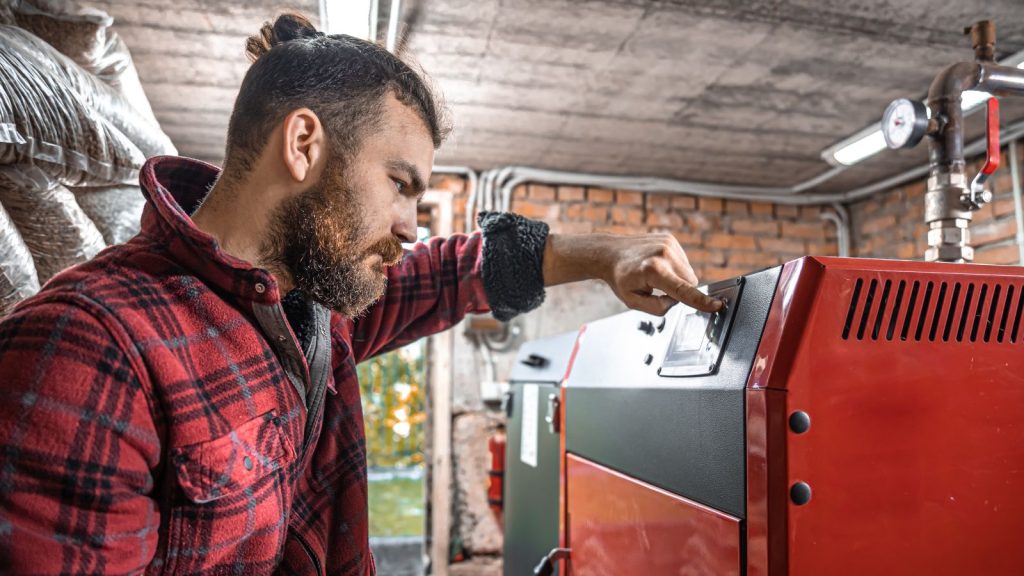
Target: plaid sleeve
x: 78, y: 444
x: 431, y: 289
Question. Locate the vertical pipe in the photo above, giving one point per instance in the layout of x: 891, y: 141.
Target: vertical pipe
x: 393, y: 16
x: 1018, y: 210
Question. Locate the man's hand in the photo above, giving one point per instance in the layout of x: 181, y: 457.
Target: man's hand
x: 633, y: 266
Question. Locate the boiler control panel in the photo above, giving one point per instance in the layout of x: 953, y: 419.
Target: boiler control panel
x: 700, y: 337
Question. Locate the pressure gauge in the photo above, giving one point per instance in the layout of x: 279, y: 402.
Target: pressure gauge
x: 904, y: 123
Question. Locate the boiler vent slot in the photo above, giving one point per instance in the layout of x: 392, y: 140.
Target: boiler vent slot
x: 902, y: 309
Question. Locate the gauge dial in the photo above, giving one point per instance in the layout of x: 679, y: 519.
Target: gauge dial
x: 904, y: 123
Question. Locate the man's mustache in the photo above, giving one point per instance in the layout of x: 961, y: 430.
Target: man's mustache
x: 390, y: 250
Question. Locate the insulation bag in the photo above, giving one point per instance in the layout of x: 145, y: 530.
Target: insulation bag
x: 44, y: 122
x: 54, y: 227
x: 82, y: 34
x: 106, y: 101
x: 17, y: 271
x: 115, y: 210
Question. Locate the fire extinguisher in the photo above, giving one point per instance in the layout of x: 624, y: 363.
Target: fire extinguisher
x: 496, y: 475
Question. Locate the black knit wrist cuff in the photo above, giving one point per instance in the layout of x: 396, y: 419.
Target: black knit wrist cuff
x: 513, y: 262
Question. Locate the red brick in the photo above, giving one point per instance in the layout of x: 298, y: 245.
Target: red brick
x: 983, y: 215
x: 993, y: 231
x: 806, y: 230
x: 738, y: 207
x: 915, y: 191
x: 786, y: 211
x: 788, y: 246
x: 459, y: 205
x: 539, y: 210
x: 595, y: 214
x: 823, y: 249
x: 627, y: 215
x: 763, y: 228
x: 458, y: 224
x: 571, y: 194
x: 664, y: 219
x: 701, y: 258
x: 574, y: 211
x: 702, y: 221
x: 751, y: 259
x: 730, y: 241
x: 448, y: 183
x: 629, y: 198
x: 600, y: 195
x: 688, y: 238
x: 519, y: 192
x: 1001, y: 254
x: 810, y: 212
x: 684, y: 203
x: 660, y: 202
x: 711, y: 205
x: 877, y: 224
x: 907, y: 251
x: 761, y: 209
x: 542, y: 192
x: 616, y: 229
x: 715, y: 274
x: 1003, y: 206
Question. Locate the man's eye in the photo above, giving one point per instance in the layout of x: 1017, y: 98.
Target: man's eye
x: 399, y: 185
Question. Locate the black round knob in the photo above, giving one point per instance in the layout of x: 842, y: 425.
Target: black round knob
x: 799, y: 421
x: 800, y: 493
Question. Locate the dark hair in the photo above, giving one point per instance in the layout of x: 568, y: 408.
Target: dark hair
x: 340, y: 78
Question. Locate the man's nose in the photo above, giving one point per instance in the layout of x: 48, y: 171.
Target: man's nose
x: 405, y: 226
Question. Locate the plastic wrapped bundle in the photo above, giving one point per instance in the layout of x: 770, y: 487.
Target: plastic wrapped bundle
x: 93, y: 92
x: 56, y: 230
x: 43, y: 121
x: 116, y: 211
x: 6, y: 15
x: 82, y: 34
x: 17, y: 271
x: 74, y: 30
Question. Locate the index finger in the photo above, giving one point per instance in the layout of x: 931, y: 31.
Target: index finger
x: 688, y: 294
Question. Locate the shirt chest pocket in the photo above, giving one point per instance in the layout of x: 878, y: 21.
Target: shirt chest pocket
x: 233, y: 498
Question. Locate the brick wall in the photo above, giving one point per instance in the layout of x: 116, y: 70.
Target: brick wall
x: 723, y: 238
x: 891, y: 224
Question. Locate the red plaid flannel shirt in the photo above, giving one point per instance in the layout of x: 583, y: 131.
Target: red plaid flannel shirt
x: 147, y: 423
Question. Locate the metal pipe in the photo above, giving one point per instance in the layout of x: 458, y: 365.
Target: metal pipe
x: 841, y: 218
x: 1018, y: 210
x: 519, y: 174
x: 393, y: 16
x: 472, y: 181
x: 947, y: 213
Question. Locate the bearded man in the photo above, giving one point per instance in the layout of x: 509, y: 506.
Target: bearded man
x: 187, y: 402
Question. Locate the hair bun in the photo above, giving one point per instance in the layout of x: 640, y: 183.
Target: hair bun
x: 289, y: 26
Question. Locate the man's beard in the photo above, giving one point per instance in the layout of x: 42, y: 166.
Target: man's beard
x: 319, y: 238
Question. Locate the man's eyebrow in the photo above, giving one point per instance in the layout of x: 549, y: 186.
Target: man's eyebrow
x: 416, y: 181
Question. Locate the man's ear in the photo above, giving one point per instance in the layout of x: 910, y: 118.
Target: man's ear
x: 304, y: 143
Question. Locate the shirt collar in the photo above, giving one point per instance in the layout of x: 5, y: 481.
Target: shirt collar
x: 174, y: 188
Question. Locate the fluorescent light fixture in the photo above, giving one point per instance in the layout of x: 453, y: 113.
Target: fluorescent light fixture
x: 861, y: 145
x: 870, y: 141
x: 353, y: 17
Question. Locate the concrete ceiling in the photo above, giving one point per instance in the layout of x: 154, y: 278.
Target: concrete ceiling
x: 730, y: 91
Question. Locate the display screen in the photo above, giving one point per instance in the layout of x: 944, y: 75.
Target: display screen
x: 700, y: 337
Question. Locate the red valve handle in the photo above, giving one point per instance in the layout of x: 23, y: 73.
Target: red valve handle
x: 992, y: 136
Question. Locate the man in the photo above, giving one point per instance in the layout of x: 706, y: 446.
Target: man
x: 187, y: 402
